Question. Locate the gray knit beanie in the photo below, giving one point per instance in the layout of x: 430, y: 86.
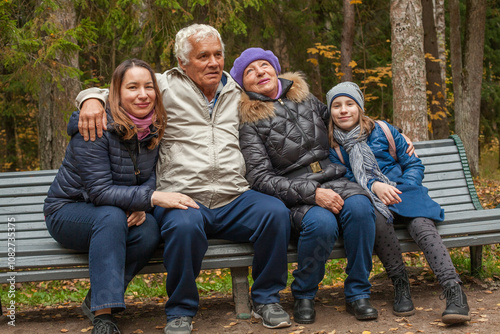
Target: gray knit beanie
x: 349, y: 89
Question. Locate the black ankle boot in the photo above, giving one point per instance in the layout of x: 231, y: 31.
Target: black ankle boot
x: 457, y: 309
x: 403, y: 305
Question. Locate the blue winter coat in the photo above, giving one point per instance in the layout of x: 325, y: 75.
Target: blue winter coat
x: 407, y: 172
x: 102, y: 172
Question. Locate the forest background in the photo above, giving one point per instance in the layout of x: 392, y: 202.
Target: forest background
x: 431, y: 67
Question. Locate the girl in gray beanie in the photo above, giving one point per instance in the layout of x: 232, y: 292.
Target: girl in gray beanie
x: 394, y: 182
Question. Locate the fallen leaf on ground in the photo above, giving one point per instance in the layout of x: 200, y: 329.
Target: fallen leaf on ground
x: 64, y: 330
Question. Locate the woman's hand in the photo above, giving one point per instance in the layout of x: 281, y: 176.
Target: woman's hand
x: 386, y: 193
x: 173, y: 200
x: 411, y: 149
x: 136, y: 218
x: 329, y: 199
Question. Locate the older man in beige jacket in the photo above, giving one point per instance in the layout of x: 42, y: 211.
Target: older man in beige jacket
x: 200, y: 157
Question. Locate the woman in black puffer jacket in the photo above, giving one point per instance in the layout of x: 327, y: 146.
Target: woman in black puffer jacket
x: 284, y: 140
x: 101, y: 196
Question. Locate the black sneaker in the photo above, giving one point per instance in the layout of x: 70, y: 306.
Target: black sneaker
x: 272, y: 315
x: 86, y: 308
x: 105, y: 325
x: 181, y: 325
x: 457, y: 309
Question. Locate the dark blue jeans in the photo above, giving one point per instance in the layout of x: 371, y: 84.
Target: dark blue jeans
x: 252, y: 217
x: 320, y: 230
x: 116, y: 252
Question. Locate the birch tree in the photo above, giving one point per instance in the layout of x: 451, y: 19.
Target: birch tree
x: 408, y: 68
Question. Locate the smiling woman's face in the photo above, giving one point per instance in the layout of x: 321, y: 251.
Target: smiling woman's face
x: 260, y: 77
x: 137, y: 93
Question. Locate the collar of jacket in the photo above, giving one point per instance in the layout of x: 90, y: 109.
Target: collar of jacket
x: 254, y: 107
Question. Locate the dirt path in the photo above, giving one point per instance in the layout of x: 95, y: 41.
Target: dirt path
x: 216, y: 314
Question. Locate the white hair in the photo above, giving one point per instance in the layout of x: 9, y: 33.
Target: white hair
x: 201, y: 31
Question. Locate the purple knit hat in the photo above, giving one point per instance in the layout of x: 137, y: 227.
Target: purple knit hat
x: 250, y: 55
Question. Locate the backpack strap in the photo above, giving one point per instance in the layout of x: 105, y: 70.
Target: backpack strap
x: 390, y: 139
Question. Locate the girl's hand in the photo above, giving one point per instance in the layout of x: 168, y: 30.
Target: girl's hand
x: 136, y: 218
x: 173, y: 200
x: 329, y: 199
x: 386, y: 193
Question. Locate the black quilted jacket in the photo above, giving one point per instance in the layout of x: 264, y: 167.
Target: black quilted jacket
x: 102, y: 172
x: 280, y: 136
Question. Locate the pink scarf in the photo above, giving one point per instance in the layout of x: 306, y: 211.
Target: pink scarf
x: 142, y: 124
x: 280, y: 90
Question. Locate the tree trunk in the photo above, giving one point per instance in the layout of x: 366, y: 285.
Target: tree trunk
x: 11, y: 161
x: 408, y: 68
x: 316, y: 88
x: 467, y: 79
x: 279, y: 43
x: 440, y: 22
x: 55, y: 102
x: 347, y: 41
x: 437, y: 97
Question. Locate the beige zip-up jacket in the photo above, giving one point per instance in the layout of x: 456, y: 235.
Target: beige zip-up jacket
x: 199, y: 155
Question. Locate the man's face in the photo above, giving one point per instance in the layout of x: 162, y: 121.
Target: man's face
x: 206, y: 62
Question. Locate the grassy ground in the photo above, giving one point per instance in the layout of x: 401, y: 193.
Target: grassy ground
x: 215, y: 282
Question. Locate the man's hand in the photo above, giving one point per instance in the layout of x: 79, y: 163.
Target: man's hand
x: 387, y: 193
x: 136, y: 218
x: 173, y: 200
x: 411, y: 148
x: 92, y: 119
x: 329, y: 199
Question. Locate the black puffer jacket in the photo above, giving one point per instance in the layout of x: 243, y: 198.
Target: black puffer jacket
x: 102, y: 172
x: 278, y: 137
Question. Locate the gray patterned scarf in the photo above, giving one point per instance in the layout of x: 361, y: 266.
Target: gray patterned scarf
x: 363, y: 164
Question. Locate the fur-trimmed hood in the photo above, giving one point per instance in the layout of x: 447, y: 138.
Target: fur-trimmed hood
x: 254, y: 107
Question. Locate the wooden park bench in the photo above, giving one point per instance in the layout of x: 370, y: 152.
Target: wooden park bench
x: 35, y: 256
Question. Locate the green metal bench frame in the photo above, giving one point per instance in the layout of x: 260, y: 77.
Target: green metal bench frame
x: 39, y: 258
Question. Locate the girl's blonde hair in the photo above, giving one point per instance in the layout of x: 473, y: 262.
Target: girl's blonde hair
x: 122, y: 122
x: 366, y: 124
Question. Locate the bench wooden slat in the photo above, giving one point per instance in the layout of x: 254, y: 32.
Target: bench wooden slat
x: 21, y: 218
x: 34, y: 208
x: 16, y: 202
x: 18, y: 192
x: 442, y: 159
x: 445, y: 184
x: 27, y: 181
x: 434, y: 151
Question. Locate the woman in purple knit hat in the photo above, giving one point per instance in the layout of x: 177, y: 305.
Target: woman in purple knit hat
x: 284, y: 140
